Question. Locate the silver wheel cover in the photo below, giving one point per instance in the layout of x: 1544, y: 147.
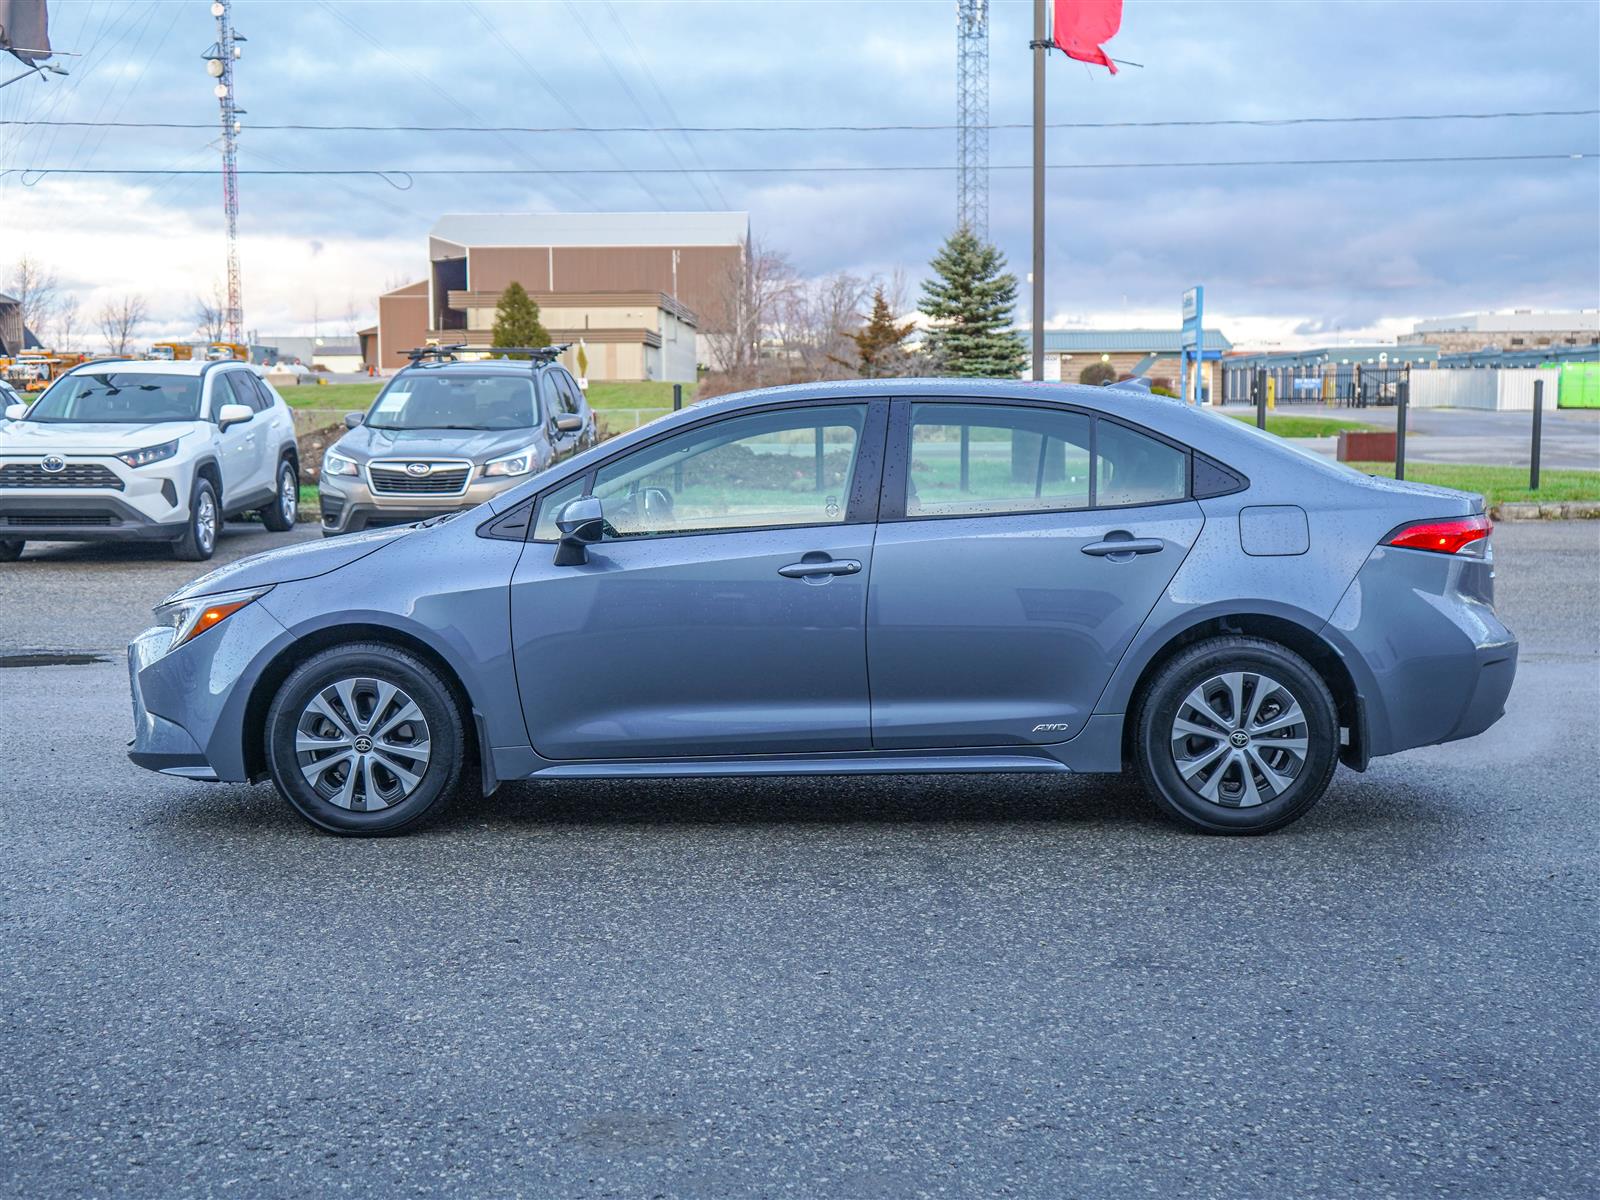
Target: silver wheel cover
x: 1239, y: 739
x: 289, y: 496
x: 362, y: 744
x: 205, y: 524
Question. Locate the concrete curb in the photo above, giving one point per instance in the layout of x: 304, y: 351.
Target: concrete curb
x: 1571, y: 510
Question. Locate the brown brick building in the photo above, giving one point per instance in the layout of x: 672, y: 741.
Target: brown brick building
x: 635, y: 280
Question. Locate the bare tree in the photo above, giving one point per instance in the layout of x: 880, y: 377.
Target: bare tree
x: 815, y: 322
x: 119, y: 319
x: 211, y: 314
x: 750, y: 296
x: 34, y: 287
x: 67, y: 320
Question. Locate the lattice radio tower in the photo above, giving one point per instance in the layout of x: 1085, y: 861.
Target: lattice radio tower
x: 972, y: 115
x: 219, y: 65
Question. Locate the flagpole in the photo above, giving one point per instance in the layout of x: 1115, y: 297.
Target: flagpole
x: 1039, y: 43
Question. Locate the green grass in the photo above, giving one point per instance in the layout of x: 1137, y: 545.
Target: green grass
x: 344, y: 396
x: 1498, y: 485
x: 351, y: 396
x: 1308, y: 427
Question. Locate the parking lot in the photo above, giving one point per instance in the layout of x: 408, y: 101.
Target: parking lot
x: 867, y: 987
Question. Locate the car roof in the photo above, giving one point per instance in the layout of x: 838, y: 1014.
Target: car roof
x: 156, y: 366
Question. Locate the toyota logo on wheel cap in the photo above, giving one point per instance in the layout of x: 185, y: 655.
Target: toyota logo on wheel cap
x: 418, y: 469
x: 54, y: 463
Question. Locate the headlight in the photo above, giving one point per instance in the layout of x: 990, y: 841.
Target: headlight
x: 150, y: 454
x: 519, y: 463
x: 191, y: 618
x: 338, y: 464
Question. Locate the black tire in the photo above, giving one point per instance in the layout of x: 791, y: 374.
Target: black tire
x: 11, y: 550
x: 279, y: 514
x: 1241, y: 805
x: 197, y: 543
x: 444, y: 736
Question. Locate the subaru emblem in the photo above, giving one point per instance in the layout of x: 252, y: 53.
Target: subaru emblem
x: 54, y: 463
x: 418, y: 469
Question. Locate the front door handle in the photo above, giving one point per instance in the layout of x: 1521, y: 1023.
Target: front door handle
x: 829, y: 566
x: 1124, y: 548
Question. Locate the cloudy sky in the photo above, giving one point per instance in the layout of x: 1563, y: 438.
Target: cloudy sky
x: 1289, y: 254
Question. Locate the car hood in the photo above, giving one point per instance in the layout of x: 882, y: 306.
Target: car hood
x: 304, y: 561
x: 476, y: 444
x: 66, y: 437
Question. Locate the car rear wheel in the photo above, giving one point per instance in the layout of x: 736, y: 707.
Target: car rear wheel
x: 280, y: 514
x: 1236, y: 735
x: 199, y: 540
x: 10, y: 550
x: 366, y: 740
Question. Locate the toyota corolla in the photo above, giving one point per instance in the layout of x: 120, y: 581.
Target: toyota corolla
x: 906, y: 576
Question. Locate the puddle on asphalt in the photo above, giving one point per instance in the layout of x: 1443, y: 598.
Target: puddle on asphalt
x: 44, y: 659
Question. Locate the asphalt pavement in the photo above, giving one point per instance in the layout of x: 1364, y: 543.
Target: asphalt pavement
x: 884, y: 987
x: 1569, y: 438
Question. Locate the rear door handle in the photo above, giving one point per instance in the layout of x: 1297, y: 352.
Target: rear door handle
x: 1116, y: 548
x: 809, y: 570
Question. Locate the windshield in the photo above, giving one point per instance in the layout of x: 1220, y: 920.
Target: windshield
x: 120, y: 398
x: 417, y: 401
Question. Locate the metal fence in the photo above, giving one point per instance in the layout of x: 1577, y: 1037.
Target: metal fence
x: 1332, y: 385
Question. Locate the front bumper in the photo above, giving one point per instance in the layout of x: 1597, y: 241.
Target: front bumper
x: 349, y: 504
x: 82, y: 515
x: 189, y: 704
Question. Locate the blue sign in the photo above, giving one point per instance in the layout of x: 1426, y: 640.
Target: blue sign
x: 1192, y: 343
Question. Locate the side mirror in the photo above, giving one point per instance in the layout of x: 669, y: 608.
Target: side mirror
x: 568, y: 422
x: 351, y: 420
x: 15, y: 412
x: 234, y: 414
x: 582, y: 522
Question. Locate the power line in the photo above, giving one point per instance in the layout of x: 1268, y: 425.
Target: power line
x: 393, y: 175
x: 1265, y: 123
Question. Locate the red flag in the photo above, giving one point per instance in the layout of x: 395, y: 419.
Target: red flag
x: 1082, y: 25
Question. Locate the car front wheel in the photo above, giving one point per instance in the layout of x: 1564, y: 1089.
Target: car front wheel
x: 1236, y: 735
x: 280, y: 514
x: 366, y: 740
x: 199, y: 540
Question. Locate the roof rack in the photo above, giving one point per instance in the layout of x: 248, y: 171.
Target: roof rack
x: 423, y: 353
x: 541, y: 354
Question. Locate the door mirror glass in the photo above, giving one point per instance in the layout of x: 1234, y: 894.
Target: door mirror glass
x: 352, y: 419
x: 568, y: 422
x: 234, y: 414
x: 582, y: 522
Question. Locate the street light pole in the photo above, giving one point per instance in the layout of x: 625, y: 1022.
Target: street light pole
x: 1039, y: 50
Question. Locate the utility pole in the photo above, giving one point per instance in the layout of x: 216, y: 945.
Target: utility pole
x: 1040, y: 46
x: 972, y: 116
x: 219, y: 65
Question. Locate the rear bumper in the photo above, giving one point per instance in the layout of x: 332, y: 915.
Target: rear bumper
x: 1430, y: 658
x: 80, y: 516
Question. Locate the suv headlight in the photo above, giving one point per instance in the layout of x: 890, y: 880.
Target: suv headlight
x: 338, y: 464
x: 519, y: 463
x: 150, y: 454
x: 193, y: 617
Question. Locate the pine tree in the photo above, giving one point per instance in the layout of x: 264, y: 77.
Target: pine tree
x: 970, y: 301
x: 880, y: 349
x: 516, y: 320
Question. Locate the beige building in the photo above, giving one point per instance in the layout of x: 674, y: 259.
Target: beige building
x: 1521, y: 329
x: 633, y: 281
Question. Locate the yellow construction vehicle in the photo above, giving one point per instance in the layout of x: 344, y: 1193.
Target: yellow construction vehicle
x: 172, y: 351
x: 222, y: 351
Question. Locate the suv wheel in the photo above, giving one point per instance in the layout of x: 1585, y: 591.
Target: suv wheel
x: 280, y: 514
x: 199, y: 540
x: 10, y: 551
x: 366, y: 740
x: 1236, y: 735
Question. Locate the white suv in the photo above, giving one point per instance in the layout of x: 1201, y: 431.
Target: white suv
x: 147, y: 451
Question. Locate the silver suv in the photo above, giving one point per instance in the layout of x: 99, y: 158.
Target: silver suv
x: 447, y: 434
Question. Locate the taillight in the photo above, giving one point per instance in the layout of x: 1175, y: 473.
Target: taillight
x: 1458, y: 535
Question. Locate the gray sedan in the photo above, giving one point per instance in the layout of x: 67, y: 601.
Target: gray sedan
x: 874, y: 576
